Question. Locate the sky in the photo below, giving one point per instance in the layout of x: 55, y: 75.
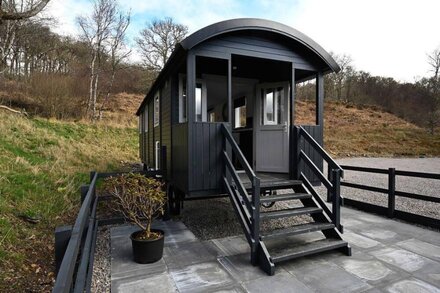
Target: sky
x: 384, y: 37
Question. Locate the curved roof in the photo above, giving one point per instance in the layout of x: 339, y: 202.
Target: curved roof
x: 234, y: 25
x: 258, y: 24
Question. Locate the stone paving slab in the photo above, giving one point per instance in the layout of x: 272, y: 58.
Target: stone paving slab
x: 388, y: 256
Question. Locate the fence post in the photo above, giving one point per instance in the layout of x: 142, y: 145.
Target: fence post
x: 336, y: 207
x: 84, y: 189
x: 62, y: 237
x: 391, y: 192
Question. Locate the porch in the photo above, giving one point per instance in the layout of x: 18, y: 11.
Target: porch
x: 388, y: 256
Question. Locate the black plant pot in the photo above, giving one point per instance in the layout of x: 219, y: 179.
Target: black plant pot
x: 147, y: 251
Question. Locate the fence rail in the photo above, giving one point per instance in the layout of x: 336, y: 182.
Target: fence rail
x: 391, y: 192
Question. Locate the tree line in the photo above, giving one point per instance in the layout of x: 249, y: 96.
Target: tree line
x: 66, y: 77
x: 417, y: 102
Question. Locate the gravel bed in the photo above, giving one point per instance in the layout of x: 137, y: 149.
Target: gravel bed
x: 422, y: 186
x: 215, y: 218
x: 102, y: 262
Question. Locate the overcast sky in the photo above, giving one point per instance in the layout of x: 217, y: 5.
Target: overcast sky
x: 384, y: 37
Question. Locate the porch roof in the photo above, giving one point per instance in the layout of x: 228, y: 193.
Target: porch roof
x: 235, y: 25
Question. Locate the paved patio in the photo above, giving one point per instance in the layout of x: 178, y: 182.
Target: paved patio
x: 388, y: 256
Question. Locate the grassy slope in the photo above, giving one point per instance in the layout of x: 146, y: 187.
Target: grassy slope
x: 42, y: 165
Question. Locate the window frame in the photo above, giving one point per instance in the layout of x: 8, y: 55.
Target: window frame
x: 182, y: 82
x: 277, y: 96
x: 145, y: 120
x: 156, y: 113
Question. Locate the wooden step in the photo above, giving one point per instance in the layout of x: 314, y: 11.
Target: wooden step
x: 284, y: 197
x: 306, y: 249
x: 276, y: 184
x: 289, y: 212
x: 297, y: 229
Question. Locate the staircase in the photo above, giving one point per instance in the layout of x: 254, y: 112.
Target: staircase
x: 295, y: 198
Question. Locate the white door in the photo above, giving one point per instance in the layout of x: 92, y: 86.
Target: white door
x: 271, y: 128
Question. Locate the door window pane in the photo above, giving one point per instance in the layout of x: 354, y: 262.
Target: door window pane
x: 272, y: 105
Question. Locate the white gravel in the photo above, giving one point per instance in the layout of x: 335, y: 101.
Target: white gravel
x: 422, y: 186
x: 102, y: 262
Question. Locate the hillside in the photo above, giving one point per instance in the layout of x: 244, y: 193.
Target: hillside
x: 351, y: 130
x: 42, y: 165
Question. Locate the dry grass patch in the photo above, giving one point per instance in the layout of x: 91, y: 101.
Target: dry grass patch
x: 42, y: 165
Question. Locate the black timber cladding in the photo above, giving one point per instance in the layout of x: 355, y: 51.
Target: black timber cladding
x: 316, y: 132
x: 207, y: 164
x: 193, y: 151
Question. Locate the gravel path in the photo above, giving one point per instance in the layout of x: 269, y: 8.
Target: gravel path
x: 422, y: 186
x: 102, y: 261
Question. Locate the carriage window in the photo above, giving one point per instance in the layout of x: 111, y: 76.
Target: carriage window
x: 271, y: 105
x: 156, y: 111
x: 182, y: 100
x: 200, y: 102
x: 140, y: 122
x: 146, y: 119
x: 240, y: 112
x: 212, y: 116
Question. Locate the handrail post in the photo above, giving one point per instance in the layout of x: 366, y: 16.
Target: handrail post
x: 336, y: 207
x: 255, y: 219
x: 296, y: 150
x: 330, y: 178
x: 391, y: 192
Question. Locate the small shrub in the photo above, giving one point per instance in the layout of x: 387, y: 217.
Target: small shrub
x: 139, y: 199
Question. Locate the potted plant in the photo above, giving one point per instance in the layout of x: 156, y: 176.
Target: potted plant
x: 140, y: 200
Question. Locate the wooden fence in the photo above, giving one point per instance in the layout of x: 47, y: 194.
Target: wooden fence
x: 391, y: 192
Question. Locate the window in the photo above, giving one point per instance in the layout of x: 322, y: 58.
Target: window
x: 240, y: 112
x: 156, y: 110
x: 156, y: 161
x: 200, y: 102
x: 271, y: 105
x: 140, y: 122
x: 183, y: 108
x: 211, y: 116
x: 146, y: 119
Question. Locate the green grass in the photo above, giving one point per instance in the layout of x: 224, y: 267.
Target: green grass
x: 42, y: 165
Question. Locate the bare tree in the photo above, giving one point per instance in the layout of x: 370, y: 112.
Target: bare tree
x: 158, y: 40
x: 12, y: 15
x: 342, y: 77
x: 96, y: 30
x: 17, y: 10
x: 434, y: 62
x: 118, y: 53
x: 433, y: 96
